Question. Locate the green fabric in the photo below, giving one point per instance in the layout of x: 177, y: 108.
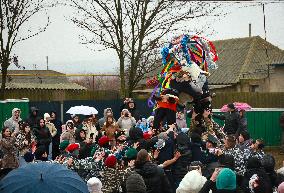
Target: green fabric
x: 226, y: 180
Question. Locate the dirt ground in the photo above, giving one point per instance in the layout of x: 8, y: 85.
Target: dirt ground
x: 279, y: 158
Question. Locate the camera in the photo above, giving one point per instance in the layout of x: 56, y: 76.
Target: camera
x: 126, y: 114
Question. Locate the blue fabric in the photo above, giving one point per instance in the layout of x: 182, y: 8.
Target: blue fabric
x: 55, y: 178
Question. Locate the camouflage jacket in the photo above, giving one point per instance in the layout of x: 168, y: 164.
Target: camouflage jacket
x: 239, y: 159
x: 87, y: 168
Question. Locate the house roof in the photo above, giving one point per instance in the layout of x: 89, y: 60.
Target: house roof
x: 244, y: 58
x: 39, y: 79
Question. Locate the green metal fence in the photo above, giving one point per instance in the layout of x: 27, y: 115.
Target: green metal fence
x: 263, y: 123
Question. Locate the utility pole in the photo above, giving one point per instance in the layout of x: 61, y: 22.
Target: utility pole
x: 46, y: 62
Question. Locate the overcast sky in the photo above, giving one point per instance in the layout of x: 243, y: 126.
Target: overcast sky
x: 61, y: 43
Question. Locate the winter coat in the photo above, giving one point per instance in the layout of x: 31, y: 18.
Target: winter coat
x: 126, y: 123
x: 180, y: 167
x: 90, y: 128
x: 13, y: 123
x: 52, y: 128
x: 166, y: 153
x: 23, y: 148
x: 243, y: 124
x: 33, y: 121
x: 43, y: 136
x: 8, y: 147
x: 264, y: 180
x: 239, y: 159
x: 111, y: 179
x: 58, y: 126
x: 232, y: 122
x: 197, y: 152
x: 154, y: 177
x: 87, y: 168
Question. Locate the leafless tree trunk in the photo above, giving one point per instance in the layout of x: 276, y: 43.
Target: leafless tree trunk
x: 14, y: 14
x: 135, y: 29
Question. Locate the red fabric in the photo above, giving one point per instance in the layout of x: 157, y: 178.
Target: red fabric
x: 110, y: 161
x: 172, y: 106
x: 146, y: 136
x: 103, y: 140
x: 72, y: 147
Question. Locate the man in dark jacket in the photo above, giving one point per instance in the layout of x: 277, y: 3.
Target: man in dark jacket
x: 129, y: 104
x: 154, y: 177
x: 33, y: 120
x: 232, y: 120
x: 56, y: 139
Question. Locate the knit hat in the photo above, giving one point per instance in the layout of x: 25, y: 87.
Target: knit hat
x: 103, y: 141
x: 280, y: 188
x: 192, y: 182
x: 226, y: 180
x: 94, y: 185
x: 72, y: 147
x: 110, y: 161
x: 146, y: 136
x: 131, y: 153
x: 135, y: 184
x: 63, y: 144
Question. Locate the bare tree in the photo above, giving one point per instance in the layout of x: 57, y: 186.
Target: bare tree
x: 135, y: 29
x: 14, y: 15
x: 97, y: 82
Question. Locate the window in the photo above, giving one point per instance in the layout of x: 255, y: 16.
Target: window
x: 254, y: 88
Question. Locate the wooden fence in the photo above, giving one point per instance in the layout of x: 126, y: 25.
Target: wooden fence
x: 256, y: 99
x: 61, y: 95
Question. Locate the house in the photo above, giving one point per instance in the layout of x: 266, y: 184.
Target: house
x: 248, y: 65
x: 40, y: 85
x: 39, y: 79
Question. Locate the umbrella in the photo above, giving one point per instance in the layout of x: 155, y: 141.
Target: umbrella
x: 82, y: 110
x: 44, y: 178
x: 239, y: 106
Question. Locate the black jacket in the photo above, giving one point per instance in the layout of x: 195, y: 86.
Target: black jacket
x: 197, y: 152
x: 43, y: 136
x: 232, y: 122
x: 209, y: 185
x: 154, y: 177
x: 180, y: 167
x: 58, y: 126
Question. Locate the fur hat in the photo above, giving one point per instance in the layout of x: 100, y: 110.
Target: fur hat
x: 192, y: 182
x: 46, y: 116
x: 72, y: 147
x: 131, y: 153
x: 226, y: 180
x: 94, y: 185
x: 135, y: 184
x: 103, y: 141
x: 110, y: 161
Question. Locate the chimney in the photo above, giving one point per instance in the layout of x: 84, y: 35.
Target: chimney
x: 250, y: 30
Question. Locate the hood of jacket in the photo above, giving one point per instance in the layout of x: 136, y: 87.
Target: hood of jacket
x: 105, y: 111
x: 13, y: 112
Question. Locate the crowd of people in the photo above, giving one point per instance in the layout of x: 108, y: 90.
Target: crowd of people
x: 128, y: 154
